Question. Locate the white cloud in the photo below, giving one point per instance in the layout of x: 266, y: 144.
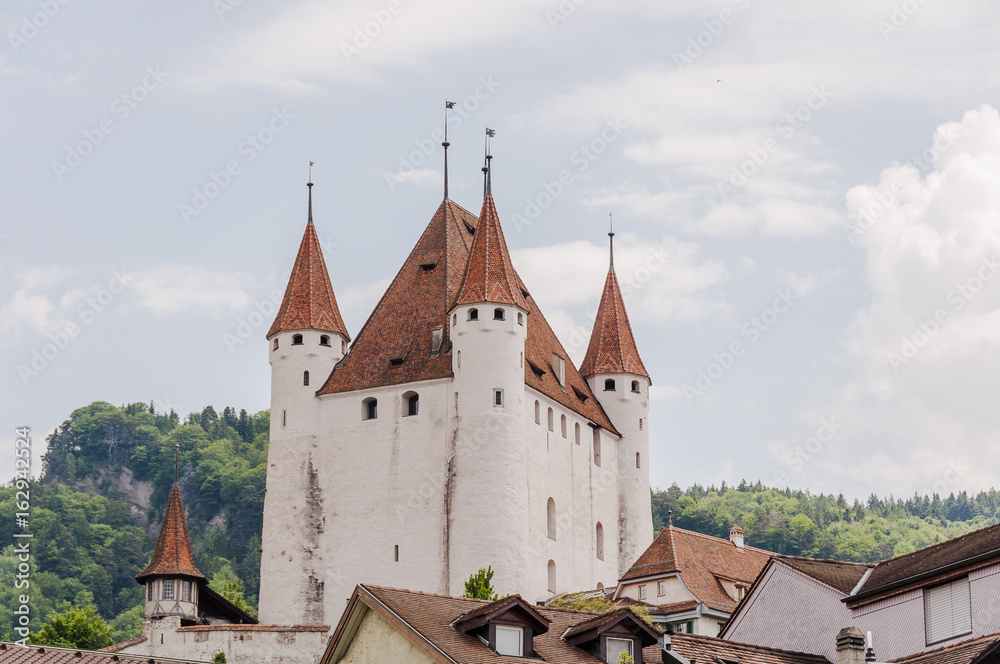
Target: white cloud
x: 174, y: 289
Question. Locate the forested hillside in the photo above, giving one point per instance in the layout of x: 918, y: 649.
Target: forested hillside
x: 107, y: 475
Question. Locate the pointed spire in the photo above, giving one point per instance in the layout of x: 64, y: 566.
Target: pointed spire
x: 310, y: 185
x: 489, y: 274
x: 611, y: 235
x: 173, y: 555
x: 612, y: 347
x: 445, y: 144
x: 309, y: 302
x: 488, y: 165
x: 177, y: 461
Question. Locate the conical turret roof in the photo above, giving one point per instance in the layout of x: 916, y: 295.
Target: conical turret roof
x: 489, y: 274
x: 612, y: 347
x: 173, y: 555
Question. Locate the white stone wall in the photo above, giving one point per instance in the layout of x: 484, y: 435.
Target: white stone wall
x: 290, y: 588
x: 674, y: 590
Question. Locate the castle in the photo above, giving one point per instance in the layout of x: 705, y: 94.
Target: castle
x: 452, y: 434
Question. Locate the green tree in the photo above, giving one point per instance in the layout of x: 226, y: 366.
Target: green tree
x: 479, y: 587
x: 77, y: 628
x: 226, y: 583
x: 220, y: 658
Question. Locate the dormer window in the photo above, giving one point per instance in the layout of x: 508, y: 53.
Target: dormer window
x: 510, y: 641
x: 609, y: 635
x: 507, y: 626
x: 616, y: 647
x: 324, y: 340
x: 296, y: 339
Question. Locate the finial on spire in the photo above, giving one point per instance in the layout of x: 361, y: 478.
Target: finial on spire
x: 487, y: 165
x: 670, y: 517
x: 611, y: 236
x: 310, y: 185
x: 177, y: 460
x: 445, y: 144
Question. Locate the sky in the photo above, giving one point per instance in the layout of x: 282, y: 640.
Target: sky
x: 806, y: 199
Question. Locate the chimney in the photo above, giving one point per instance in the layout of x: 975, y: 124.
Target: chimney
x: 850, y: 646
x: 736, y: 536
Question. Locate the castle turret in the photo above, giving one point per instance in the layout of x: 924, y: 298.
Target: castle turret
x: 172, y: 579
x: 489, y: 503
x: 615, y: 373
x: 308, y: 337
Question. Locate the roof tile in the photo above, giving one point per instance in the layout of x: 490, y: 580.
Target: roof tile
x: 172, y: 555
x: 612, y: 347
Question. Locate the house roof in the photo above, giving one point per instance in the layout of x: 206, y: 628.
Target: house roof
x: 309, y: 302
x: 427, y: 621
x: 979, y: 649
x: 482, y: 614
x: 701, y: 560
x: 591, y: 628
x: 11, y: 653
x: 837, y: 574
x: 418, y: 302
x: 929, y: 563
x: 705, y: 650
x: 612, y: 347
x: 489, y: 274
x: 172, y: 555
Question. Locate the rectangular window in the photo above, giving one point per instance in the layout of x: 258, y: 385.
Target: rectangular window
x: 559, y: 369
x: 597, y: 447
x: 149, y: 591
x: 948, y: 611
x: 661, y: 588
x: 168, y: 589
x: 616, y: 647
x: 510, y: 641
x: 186, y: 591
x: 642, y: 592
x: 497, y: 396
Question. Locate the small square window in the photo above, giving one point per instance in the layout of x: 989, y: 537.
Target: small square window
x: 510, y: 641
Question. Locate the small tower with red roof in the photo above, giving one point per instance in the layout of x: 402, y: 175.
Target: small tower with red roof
x: 617, y: 376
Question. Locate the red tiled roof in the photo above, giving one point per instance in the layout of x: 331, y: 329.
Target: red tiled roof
x: 172, y: 555
x: 977, y: 546
x: 309, y: 302
x: 705, y: 650
x: 701, y: 560
x: 677, y: 607
x: 966, y: 652
x: 612, y: 347
x: 489, y: 274
x: 11, y: 653
x: 125, y: 644
x: 838, y: 574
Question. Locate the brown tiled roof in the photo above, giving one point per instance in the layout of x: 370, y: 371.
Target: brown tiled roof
x: 416, y: 303
x: 701, y: 560
x: 837, y: 574
x: 983, y: 544
x: 172, y: 555
x: 612, y: 347
x: 489, y: 274
x: 309, y: 302
x: 125, y: 644
x: 11, y: 653
x: 704, y: 650
x: 254, y: 628
x: 677, y: 607
x: 981, y: 648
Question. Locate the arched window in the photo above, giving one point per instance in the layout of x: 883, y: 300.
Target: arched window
x: 498, y: 314
x: 552, y: 420
x: 520, y: 318
x: 324, y: 340
x: 637, y: 464
x: 562, y: 426
x: 609, y: 385
x: 576, y: 433
x: 635, y: 386
x: 305, y: 378
x: 411, y: 401
x: 600, y: 541
x: 640, y: 424
x: 296, y: 339
x: 369, y: 409
x: 600, y: 586
x: 550, y: 513
x: 473, y: 314
x: 552, y: 576
x: 459, y: 359
x: 538, y: 413
x: 597, y: 447
x: 276, y: 343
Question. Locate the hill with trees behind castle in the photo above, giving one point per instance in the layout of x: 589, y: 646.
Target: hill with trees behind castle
x: 108, y: 472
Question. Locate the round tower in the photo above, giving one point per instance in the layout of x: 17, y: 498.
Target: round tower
x: 617, y: 377
x: 308, y: 337
x: 486, y: 491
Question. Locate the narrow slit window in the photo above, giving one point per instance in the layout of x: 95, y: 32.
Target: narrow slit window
x: 275, y: 343
x: 552, y: 576
x: 538, y: 413
x: 498, y: 397
x: 637, y: 464
x: 597, y: 447
x: 552, y: 420
x: 576, y: 433
x: 284, y: 417
x: 550, y: 513
x: 600, y: 541
x: 562, y: 426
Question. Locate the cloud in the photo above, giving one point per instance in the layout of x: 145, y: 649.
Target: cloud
x: 174, y: 289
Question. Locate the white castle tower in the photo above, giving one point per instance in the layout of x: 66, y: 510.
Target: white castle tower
x: 455, y: 434
x: 305, y: 341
